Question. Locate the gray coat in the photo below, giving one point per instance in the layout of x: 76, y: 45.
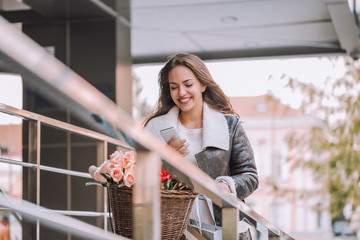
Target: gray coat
x: 226, y: 148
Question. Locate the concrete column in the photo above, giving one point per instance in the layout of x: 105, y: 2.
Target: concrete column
x: 123, y: 72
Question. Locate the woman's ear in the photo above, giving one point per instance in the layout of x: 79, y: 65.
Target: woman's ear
x: 203, y: 88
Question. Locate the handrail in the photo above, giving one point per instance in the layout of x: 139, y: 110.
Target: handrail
x: 56, y: 220
x: 61, y: 125
x: 34, y: 58
x: 42, y: 120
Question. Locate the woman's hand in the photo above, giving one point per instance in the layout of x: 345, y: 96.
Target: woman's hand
x: 179, y: 145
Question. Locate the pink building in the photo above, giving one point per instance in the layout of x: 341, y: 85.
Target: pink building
x: 11, y: 148
x: 288, y: 195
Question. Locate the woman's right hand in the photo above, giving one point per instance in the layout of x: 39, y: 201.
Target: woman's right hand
x: 179, y: 145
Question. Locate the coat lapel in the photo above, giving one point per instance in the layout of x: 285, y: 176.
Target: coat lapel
x: 164, y: 121
x: 215, y: 129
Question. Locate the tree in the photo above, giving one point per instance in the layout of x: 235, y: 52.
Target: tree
x: 141, y: 107
x: 337, y: 142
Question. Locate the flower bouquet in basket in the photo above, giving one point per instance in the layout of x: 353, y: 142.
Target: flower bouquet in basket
x: 118, y: 170
x: 117, y: 174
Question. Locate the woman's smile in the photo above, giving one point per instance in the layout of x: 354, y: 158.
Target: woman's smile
x: 184, y: 100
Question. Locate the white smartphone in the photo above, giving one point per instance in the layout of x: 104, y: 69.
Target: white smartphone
x: 168, y: 133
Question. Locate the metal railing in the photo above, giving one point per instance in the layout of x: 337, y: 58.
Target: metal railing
x: 266, y: 229
x: 35, y: 123
x: 53, y: 219
x: 32, y: 57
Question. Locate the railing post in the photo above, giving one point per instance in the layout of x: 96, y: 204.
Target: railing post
x: 263, y: 232
x: 101, y: 193
x: 146, y: 197
x: 68, y: 177
x: 230, y: 220
x: 34, y: 178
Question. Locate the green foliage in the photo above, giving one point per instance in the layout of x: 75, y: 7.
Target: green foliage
x: 337, y: 142
x: 141, y: 106
x: 173, y: 184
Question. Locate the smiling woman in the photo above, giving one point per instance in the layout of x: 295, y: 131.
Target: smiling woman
x: 208, y: 131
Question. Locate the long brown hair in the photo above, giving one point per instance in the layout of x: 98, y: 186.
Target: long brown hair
x: 213, y: 95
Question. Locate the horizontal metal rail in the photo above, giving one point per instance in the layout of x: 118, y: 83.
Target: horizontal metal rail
x: 63, y: 145
x: 46, y: 168
x: 61, y: 125
x: 68, y: 212
x: 79, y: 213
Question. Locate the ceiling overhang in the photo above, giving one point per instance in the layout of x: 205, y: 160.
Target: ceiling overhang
x: 345, y: 25
x: 216, y: 29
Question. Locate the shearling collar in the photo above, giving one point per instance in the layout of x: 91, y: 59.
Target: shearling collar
x: 215, y: 128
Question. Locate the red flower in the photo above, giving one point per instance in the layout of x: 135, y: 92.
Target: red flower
x: 170, y: 183
x: 164, y: 175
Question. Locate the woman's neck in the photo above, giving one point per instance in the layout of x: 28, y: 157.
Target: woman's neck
x: 191, y: 120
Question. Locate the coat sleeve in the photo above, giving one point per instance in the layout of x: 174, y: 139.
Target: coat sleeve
x: 242, y: 163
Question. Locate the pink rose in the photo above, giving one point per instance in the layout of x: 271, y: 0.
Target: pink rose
x: 130, y: 168
x: 129, y: 165
x: 129, y: 157
x: 98, y: 177
x: 117, y: 174
x: 129, y: 178
x: 118, y: 159
x: 106, y: 167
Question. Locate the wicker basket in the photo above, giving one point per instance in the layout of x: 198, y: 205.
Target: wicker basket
x: 175, y: 211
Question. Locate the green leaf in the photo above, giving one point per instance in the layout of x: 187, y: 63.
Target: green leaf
x: 168, y: 184
x: 174, y: 187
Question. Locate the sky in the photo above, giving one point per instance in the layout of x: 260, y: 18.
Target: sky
x: 10, y: 94
x: 255, y: 77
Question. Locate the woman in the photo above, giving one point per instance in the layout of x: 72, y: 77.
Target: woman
x: 211, y: 134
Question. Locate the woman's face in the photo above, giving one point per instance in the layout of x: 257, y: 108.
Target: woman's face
x: 185, y: 89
